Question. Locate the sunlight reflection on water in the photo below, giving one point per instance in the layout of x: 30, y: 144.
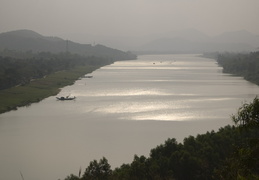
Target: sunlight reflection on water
x: 165, y: 117
x: 137, y: 107
x: 129, y: 92
x: 159, y: 68
x: 126, y: 108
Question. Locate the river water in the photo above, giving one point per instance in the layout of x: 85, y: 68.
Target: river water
x: 127, y: 108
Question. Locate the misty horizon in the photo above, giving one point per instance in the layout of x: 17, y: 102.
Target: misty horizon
x: 85, y: 79
x: 127, y: 22
x: 184, y: 41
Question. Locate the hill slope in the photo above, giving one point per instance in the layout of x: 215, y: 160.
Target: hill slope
x: 27, y: 40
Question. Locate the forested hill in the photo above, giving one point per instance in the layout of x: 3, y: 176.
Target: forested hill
x: 27, y: 40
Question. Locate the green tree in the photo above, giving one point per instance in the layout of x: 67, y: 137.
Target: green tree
x: 248, y: 115
x: 139, y: 168
x: 244, y: 162
x: 98, y: 170
x: 72, y: 177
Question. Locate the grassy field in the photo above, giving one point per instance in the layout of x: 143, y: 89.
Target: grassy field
x: 39, y: 89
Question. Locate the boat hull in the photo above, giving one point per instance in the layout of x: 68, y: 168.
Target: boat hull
x: 65, y: 98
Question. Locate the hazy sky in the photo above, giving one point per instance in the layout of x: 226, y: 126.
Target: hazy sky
x: 128, y: 17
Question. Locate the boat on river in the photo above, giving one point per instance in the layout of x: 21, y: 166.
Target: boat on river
x: 88, y: 76
x: 85, y: 77
x: 62, y: 98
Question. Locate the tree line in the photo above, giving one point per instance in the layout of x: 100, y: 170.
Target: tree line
x: 231, y: 153
x: 245, y: 65
x: 19, y: 68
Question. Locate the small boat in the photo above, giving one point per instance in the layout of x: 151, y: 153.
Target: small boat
x: 88, y: 76
x: 62, y: 98
x: 85, y: 77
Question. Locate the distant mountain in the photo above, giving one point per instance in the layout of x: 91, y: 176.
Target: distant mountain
x: 27, y: 40
x: 242, y: 36
x: 184, y: 41
x: 189, y: 34
x: 193, y: 41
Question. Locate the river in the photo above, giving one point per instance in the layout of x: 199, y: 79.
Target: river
x: 127, y: 108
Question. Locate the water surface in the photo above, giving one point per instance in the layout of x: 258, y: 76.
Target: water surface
x: 127, y: 108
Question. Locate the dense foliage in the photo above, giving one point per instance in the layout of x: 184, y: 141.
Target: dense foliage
x: 244, y: 162
x: 230, y: 153
x: 245, y: 65
x: 21, y: 70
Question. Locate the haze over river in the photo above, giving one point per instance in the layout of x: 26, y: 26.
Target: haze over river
x: 127, y: 108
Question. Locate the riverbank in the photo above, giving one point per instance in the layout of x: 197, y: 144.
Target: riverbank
x: 238, y: 64
x: 40, y: 89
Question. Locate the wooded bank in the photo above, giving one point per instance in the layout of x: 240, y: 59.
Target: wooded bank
x: 29, y: 78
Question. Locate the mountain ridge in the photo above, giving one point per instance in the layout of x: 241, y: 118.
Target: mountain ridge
x: 28, y: 40
x: 194, y: 41
x: 182, y: 41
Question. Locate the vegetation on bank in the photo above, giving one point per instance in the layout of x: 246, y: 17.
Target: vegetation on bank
x: 39, y: 89
x: 26, y: 78
x: 231, y: 153
x: 21, y: 71
x: 245, y: 65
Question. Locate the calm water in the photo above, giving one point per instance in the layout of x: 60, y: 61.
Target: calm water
x: 127, y: 108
